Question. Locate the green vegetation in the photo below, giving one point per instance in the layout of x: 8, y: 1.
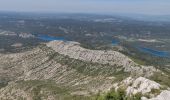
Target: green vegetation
x: 44, y: 88
x: 120, y: 94
x: 161, y: 78
x: 2, y: 84
x: 121, y: 75
x: 87, y: 68
x: 138, y: 61
x: 155, y: 91
x: 144, y: 58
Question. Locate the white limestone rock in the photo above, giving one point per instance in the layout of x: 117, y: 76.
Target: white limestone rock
x: 164, y: 95
x: 73, y: 50
x: 139, y: 85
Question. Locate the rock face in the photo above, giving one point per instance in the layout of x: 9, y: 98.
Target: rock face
x: 11, y: 93
x: 139, y: 85
x: 165, y: 95
x: 42, y: 63
x: 144, y: 86
x: 49, y: 70
x: 73, y: 50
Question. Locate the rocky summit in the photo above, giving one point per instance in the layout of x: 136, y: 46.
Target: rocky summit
x: 63, y: 70
x: 113, y: 58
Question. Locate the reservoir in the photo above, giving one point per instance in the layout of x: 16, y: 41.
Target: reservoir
x: 48, y: 38
x: 154, y: 52
x: 114, y: 42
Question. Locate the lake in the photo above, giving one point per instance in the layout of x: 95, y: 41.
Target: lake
x: 115, y: 42
x: 48, y: 38
x: 154, y: 52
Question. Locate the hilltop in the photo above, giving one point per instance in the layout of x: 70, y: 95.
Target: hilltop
x: 65, y: 70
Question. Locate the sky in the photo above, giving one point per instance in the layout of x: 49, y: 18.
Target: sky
x: 158, y: 7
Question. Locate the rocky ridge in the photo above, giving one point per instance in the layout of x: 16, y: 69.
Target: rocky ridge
x: 73, y: 50
x: 67, y: 65
x: 38, y: 65
x: 164, y: 95
x: 145, y: 87
x: 138, y: 85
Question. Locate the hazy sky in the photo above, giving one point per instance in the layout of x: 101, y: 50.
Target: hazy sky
x: 88, y: 6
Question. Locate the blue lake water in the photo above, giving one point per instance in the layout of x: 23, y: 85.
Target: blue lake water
x: 114, y: 42
x: 154, y: 52
x: 48, y: 38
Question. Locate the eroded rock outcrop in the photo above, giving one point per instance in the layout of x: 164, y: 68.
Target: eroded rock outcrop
x: 66, y: 64
x: 138, y: 85
x: 73, y: 50
x: 165, y: 95
x: 145, y: 87
x: 42, y: 63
